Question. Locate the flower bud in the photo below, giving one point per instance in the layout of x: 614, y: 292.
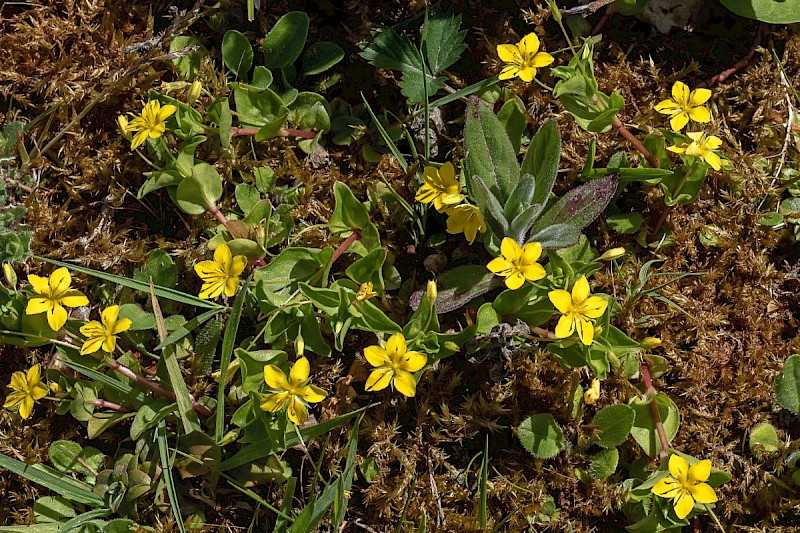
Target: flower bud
x: 613, y: 253
x: 122, y: 122
x: 194, y: 92
x: 299, y: 346
x: 650, y: 342
x: 431, y: 291
x: 592, y: 394
x: 365, y: 291
x: 554, y: 10
x: 10, y: 275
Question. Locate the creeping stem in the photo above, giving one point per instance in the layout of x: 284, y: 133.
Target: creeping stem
x: 620, y: 127
x: 284, y: 132
x: 650, y: 392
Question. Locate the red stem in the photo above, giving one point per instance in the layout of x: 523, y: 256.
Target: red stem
x: 344, y: 245
x: 284, y: 132
x: 650, y: 391
x: 155, y: 387
x: 620, y: 127
x: 105, y: 404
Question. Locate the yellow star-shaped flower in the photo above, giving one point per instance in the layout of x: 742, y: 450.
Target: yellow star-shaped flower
x: 294, y: 392
x: 685, y: 485
x: 395, y: 365
x: 221, y: 274
x: 53, y: 294
x: 685, y: 105
x: 702, y: 146
x: 522, y: 58
x: 149, y: 124
x: 103, y: 334
x: 578, y: 309
x: 441, y: 187
x: 465, y: 218
x: 518, y: 263
x: 26, y: 388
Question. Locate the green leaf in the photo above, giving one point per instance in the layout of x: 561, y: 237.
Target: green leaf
x: 187, y: 65
x: 228, y: 343
x: 321, y: 56
x: 625, y: 223
x: 67, y: 456
x: 260, y: 108
x: 279, y: 279
x: 644, y: 427
x: 541, y: 161
x: 684, y: 184
x: 285, y: 41
x: 614, y: 423
x: 166, y: 468
x: 349, y: 215
x: 160, y: 267
x: 764, y: 439
x: 201, y: 192
x: 541, y: 436
x: 580, y: 206
x: 490, y: 154
x: 310, y: 111
x: 459, y: 286
x: 604, y: 463
x: 237, y: 53
x: 48, y: 478
x: 140, y: 319
x: 389, y: 50
x: 769, y: 11
x: 369, y: 268
x: 512, y: 116
x: 787, y: 384
x: 442, y: 42
x: 53, y: 509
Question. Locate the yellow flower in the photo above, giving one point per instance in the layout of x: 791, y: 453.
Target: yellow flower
x: 592, y: 394
x: 578, y: 310
x: 221, y: 274
x: 702, y: 146
x: 523, y: 58
x: 294, y: 391
x: 465, y: 218
x: 150, y: 123
x: 685, y: 485
x: 518, y: 263
x: 394, y: 365
x: 685, y: 105
x: 365, y: 291
x: 441, y: 187
x: 54, y: 293
x: 104, y: 334
x: 26, y: 389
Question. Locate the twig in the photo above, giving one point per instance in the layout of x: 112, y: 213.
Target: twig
x: 622, y: 130
x: 587, y: 9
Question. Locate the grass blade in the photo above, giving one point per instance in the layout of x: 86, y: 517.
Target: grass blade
x: 187, y: 328
x: 64, y: 485
x: 388, y: 140
x: 166, y: 468
x: 162, y: 292
x: 83, y: 518
x: 483, y: 481
x: 228, y: 342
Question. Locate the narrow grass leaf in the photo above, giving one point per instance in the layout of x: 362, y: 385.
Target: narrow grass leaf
x: 346, y: 482
x: 187, y: 328
x: 83, y: 519
x: 484, y: 479
x: 166, y: 467
x: 52, y: 479
x: 388, y: 140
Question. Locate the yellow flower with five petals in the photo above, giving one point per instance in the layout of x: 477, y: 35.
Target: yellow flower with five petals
x: 465, y: 218
x: 366, y: 291
x: 702, y: 146
x: 103, y: 334
x: 522, y: 59
x: 685, y: 105
x: 26, y: 388
x: 441, y: 187
x: 518, y: 263
x: 150, y: 123
x: 221, y: 274
x: 578, y: 309
x: 295, y: 391
x: 395, y: 365
x: 53, y: 294
x: 686, y: 485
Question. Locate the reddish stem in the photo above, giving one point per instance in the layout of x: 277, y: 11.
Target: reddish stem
x: 603, y: 21
x: 620, y: 127
x: 284, y: 132
x: 105, y: 404
x: 344, y: 245
x: 650, y: 391
x: 661, y: 219
x: 155, y: 387
x: 739, y: 65
x: 544, y: 333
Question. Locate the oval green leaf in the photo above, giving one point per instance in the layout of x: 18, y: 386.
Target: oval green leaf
x: 237, y: 53
x: 541, y: 436
x: 283, y: 44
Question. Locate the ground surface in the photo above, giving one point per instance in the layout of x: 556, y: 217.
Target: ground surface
x: 741, y: 318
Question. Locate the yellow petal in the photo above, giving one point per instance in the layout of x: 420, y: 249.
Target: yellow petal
x: 680, y: 93
x: 237, y: 266
x: 542, y: 59
x: 56, y: 317
x: 678, y: 467
x: 40, y: 285
x: 447, y: 173
x: 34, y: 376
x: 499, y: 266
x: 678, y: 148
x: 580, y: 291
x: 231, y: 285
x: 18, y: 381
x: 515, y: 281
x: 413, y: 361
x: 699, y: 97
x: 405, y: 383
x: 509, y: 53
x: 533, y: 272
x: 297, y: 412
x: 275, y: 378
x: 139, y: 139
x: 299, y: 372
x: 165, y: 112
x: 561, y: 300
x: 379, y: 379
x: 38, y: 305
x: 39, y: 391
x: 223, y: 257
x: 211, y: 290
x: 666, y: 487
x: 73, y: 298
x: 510, y: 250
x: 714, y: 160
x: 26, y: 407
x: 312, y: 394
x: 376, y: 356
x: 92, y: 329
x: 109, y: 316
x: 703, y: 493
x: 14, y: 399
x: 713, y: 142
x: 700, y: 114
x: 585, y: 330
x: 92, y: 345
x: 594, y: 307
x: 683, y: 505
x: 667, y: 107
x: 274, y: 402
x: 207, y: 269
x: 60, y: 281
x: 396, y: 346
x: 508, y: 72
x: 531, y: 252
x: 109, y: 343
x: 529, y: 45
x: 565, y: 327
x: 678, y: 122
x: 527, y: 74
x: 699, y: 471
x: 124, y: 324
